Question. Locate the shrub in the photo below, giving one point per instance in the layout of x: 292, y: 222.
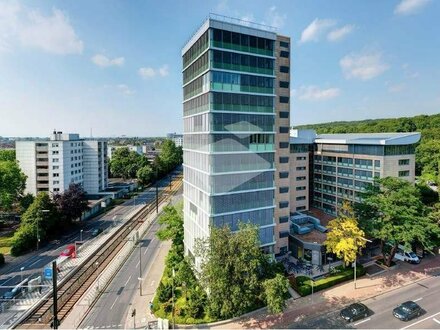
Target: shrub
x: 304, y: 284
x: 2, y: 259
x: 164, y: 292
x: 196, y: 302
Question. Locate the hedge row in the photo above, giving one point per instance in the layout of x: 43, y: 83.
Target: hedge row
x: 304, y: 284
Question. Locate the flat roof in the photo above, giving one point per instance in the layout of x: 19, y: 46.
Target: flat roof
x: 369, y: 138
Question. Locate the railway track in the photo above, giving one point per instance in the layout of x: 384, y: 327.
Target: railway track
x: 77, y: 283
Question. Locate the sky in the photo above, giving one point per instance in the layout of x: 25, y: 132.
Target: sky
x: 113, y: 68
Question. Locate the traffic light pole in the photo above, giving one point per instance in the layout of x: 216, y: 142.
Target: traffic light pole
x: 55, y: 295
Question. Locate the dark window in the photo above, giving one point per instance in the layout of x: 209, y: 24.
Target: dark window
x: 284, y: 145
x: 284, y: 69
x: 284, y: 53
x: 403, y: 161
x: 283, y: 219
x: 284, y: 84
x: 300, y: 188
x: 284, y: 44
x: 284, y: 160
x: 300, y: 208
x: 283, y: 205
x: 284, y: 234
x: 401, y: 173
x: 284, y: 190
x: 284, y: 175
x: 284, y: 99
x: 284, y: 129
x: 284, y: 114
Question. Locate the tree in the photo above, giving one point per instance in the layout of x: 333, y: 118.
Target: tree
x: 12, y: 184
x: 344, y: 238
x: 39, y: 221
x: 406, y: 125
x: 71, y: 203
x: 231, y: 264
x: 7, y: 155
x: 392, y: 211
x: 170, y: 155
x: 125, y: 163
x: 26, y: 201
x: 276, y: 290
x: 145, y: 175
x: 171, y: 222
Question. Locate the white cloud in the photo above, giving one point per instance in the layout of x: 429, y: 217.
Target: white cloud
x: 163, y: 71
x: 314, y: 93
x: 409, y: 7
x: 124, y: 89
x: 363, y: 66
x: 104, y: 61
x: 315, y: 29
x: 52, y: 33
x: 149, y: 72
x: 274, y: 18
x: 340, y: 33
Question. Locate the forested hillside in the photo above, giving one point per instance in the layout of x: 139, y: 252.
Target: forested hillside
x: 427, y: 152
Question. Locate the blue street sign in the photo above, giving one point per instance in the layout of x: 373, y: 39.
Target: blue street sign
x: 48, y: 273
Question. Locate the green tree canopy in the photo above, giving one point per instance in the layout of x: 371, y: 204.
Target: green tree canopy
x: 276, y: 289
x: 170, y: 155
x: 7, y: 154
x: 125, y: 163
x: 344, y: 238
x: 171, y: 222
x: 231, y: 270
x: 12, y: 184
x: 145, y: 175
x: 41, y: 219
x: 392, y: 211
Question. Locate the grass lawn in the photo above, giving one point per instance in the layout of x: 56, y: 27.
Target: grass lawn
x: 5, y: 243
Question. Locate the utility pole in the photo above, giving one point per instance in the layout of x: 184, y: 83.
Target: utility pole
x: 55, y: 295
x: 140, y: 268
x: 157, y: 192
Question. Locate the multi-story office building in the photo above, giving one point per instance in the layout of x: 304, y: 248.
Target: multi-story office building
x: 236, y: 79
x: 51, y: 165
x: 328, y: 169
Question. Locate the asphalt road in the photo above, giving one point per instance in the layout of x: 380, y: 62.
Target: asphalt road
x: 426, y: 293
x: 11, y: 275
x: 110, y: 311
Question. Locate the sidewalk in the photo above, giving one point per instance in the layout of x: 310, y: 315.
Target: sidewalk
x: 336, y: 297
x: 153, y: 276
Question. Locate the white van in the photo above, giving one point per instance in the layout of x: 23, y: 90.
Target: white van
x: 409, y: 256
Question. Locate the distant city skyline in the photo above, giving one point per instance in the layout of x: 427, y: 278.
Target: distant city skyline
x: 116, y: 68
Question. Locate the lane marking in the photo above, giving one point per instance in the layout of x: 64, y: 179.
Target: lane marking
x: 129, y: 278
x: 146, y: 249
x: 435, y: 320
x: 114, y: 303
x: 34, y: 262
x: 418, y: 299
x: 420, y: 321
x: 137, y: 264
x: 366, y: 320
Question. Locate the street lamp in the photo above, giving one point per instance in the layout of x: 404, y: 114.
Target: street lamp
x: 21, y: 273
x: 38, y: 228
x: 355, y: 259
x: 114, y: 221
x: 81, y: 235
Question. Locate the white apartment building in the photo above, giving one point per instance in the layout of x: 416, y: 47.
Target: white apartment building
x: 176, y: 138
x: 52, y: 165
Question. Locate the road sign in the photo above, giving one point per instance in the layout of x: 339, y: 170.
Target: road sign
x: 48, y: 273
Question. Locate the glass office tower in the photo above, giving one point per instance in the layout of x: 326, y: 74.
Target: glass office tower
x: 229, y: 115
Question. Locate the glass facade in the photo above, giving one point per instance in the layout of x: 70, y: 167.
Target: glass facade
x: 229, y: 125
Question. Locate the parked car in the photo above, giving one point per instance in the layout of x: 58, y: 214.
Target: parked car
x: 96, y: 232
x: 407, y: 311
x: 69, y: 251
x: 354, y: 312
x: 408, y: 256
